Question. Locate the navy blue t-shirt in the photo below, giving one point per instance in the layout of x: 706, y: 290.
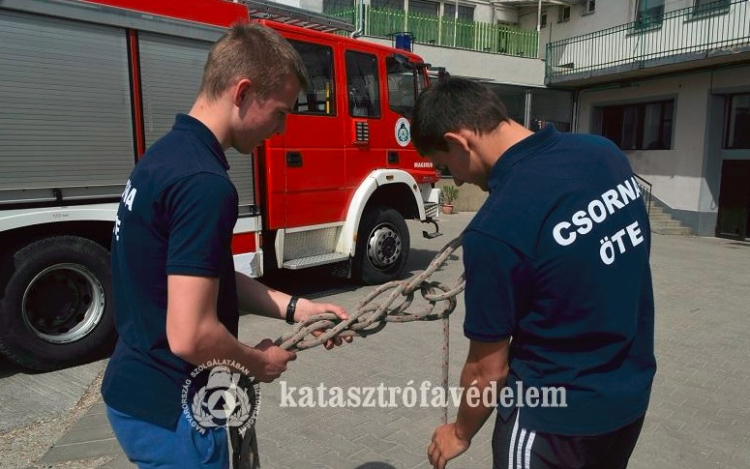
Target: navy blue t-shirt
x: 558, y: 259
x: 176, y: 217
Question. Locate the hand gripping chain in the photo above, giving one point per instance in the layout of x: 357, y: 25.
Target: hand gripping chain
x: 369, y: 318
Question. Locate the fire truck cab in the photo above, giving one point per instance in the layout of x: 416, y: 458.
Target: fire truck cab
x: 87, y: 86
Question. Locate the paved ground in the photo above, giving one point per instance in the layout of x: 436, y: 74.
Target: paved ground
x: 699, y: 417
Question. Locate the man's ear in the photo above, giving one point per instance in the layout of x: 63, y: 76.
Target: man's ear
x: 241, y: 91
x: 459, y: 139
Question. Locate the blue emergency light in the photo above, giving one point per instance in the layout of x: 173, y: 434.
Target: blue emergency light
x: 403, y: 40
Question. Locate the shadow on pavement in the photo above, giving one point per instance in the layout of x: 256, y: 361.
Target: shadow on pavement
x: 318, y: 282
x: 313, y: 283
x: 7, y: 368
x: 375, y: 465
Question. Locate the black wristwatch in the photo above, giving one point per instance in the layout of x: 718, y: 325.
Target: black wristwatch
x: 290, y: 309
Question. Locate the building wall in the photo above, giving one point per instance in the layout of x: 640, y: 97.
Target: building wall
x: 508, y: 15
x: 470, y: 197
x: 687, y: 177
x: 483, y: 11
x: 676, y: 173
x: 723, y: 83
x: 608, y: 14
x: 482, y: 65
x: 312, y: 5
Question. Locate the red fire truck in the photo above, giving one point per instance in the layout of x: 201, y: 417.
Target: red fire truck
x: 87, y: 86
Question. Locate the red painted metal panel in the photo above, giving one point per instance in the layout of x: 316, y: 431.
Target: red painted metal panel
x: 135, y: 93
x: 274, y: 198
x: 213, y: 12
x: 244, y: 242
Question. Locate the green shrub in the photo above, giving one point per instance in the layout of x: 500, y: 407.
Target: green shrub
x: 449, y: 194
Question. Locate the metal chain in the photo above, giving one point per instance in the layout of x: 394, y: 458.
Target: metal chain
x: 369, y: 317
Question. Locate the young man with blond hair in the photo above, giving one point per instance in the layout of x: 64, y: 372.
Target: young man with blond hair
x: 177, y: 295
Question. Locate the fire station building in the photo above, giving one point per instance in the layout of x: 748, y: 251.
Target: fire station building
x: 669, y: 82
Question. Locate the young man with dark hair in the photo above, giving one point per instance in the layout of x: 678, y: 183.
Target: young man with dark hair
x: 559, y: 299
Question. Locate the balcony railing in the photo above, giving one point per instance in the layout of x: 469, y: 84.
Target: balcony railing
x: 446, y: 32
x: 715, y: 28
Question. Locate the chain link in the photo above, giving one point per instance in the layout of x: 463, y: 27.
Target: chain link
x: 370, y: 317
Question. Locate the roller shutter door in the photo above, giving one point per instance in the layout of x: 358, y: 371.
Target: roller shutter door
x: 171, y: 71
x: 65, y: 112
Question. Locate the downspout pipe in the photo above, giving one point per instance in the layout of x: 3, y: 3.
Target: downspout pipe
x: 538, y: 28
x: 360, y: 19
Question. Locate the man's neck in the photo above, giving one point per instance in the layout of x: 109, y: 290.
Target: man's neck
x: 496, y: 143
x: 212, y: 115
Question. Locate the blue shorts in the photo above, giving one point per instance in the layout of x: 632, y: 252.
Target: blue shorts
x: 150, y: 446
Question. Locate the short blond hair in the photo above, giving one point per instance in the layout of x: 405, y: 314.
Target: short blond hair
x: 253, y: 51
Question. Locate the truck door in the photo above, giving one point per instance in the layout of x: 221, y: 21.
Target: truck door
x: 306, y: 184
x: 405, y: 81
x: 367, y: 135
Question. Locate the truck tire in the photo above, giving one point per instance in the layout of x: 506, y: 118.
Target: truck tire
x: 382, y: 246
x: 56, y: 308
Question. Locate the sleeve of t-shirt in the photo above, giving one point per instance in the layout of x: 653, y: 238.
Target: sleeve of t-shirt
x: 497, y: 285
x: 201, y: 211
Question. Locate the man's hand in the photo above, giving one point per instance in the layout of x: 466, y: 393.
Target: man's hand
x: 307, y: 308
x: 273, y: 360
x: 487, y: 363
x: 446, y: 445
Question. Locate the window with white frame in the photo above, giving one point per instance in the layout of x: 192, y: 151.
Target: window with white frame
x: 589, y: 7
x: 642, y: 126
x: 543, y: 19
x: 563, y: 14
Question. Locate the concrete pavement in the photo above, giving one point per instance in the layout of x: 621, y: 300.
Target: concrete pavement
x: 699, y: 417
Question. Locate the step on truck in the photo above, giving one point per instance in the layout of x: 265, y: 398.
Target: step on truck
x: 87, y: 86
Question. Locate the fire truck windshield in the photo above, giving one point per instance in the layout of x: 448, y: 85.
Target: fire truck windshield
x: 405, y: 81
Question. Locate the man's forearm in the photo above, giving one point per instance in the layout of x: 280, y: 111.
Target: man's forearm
x: 474, y: 411
x: 212, y: 341
x: 256, y: 298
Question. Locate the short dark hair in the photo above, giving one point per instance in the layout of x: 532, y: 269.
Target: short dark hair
x: 254, y: 51
x: 452, y: 104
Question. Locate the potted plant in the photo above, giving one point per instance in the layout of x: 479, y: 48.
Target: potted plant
x: 448, y: 195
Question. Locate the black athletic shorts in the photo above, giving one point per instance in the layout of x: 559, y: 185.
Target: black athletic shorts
x: 523, y: 448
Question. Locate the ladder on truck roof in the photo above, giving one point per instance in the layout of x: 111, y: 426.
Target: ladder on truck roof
x: 262, y: 9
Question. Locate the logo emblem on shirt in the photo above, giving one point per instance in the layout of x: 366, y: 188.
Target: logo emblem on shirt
x: 229, y: 398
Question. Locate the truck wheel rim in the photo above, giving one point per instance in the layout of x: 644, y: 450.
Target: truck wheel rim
x: 63, y: 303
x: 384, y: 247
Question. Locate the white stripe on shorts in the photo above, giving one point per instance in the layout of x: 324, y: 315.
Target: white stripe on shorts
x: 527, y: 453
x: 513, y: 441
x: 519, y: 451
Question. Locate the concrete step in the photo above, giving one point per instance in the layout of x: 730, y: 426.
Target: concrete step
x: 660, y: 217
x: 654, y: 210
x: 666, y: 223
x: 663, y: 223
x: 678, y: 230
